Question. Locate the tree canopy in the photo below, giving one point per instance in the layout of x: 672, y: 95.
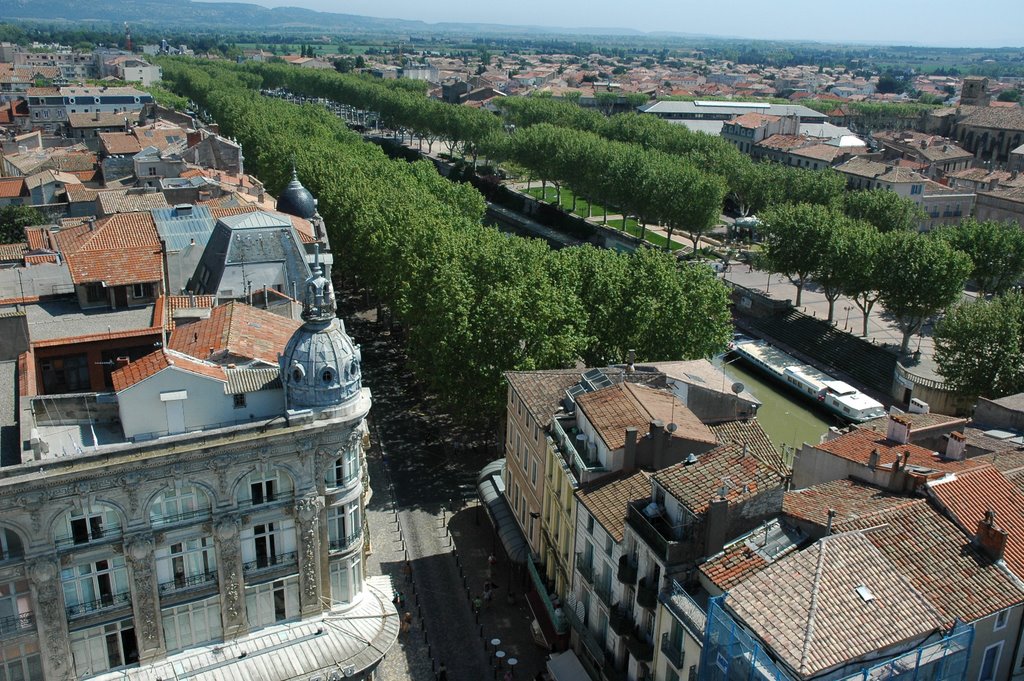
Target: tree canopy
x: 979, y: 346
x: 996, y: 250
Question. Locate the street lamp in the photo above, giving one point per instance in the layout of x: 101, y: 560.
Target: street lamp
x: 846, y: 324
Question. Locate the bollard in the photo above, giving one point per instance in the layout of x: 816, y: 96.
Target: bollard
x: 419, y: 611
x: 424, y: 634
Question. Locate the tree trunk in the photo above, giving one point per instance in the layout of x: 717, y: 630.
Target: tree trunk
x: 696, y: 243
x: 831, y: 308
x: 573, y: 202
x: 528, y: 181
x: 799, y: 291
x: 905, y: 346
x: 558, y: 195
x: 639, y: 223
x: 668, y: 244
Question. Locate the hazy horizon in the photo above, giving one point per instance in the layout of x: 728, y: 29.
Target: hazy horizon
x: 873, y: 21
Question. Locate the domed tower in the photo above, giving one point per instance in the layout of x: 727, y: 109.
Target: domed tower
x: 320, y: 366
x: 296, y: 200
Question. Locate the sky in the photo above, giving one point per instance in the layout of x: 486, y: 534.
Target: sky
x: 995, y: 23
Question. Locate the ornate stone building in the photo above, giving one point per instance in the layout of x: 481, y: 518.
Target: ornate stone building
x: 199, y: 520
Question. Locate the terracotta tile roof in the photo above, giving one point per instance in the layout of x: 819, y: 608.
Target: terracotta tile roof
x: 825, y: 152
x: 608, y: 498
x: 940, y: 561
x: 78, y: 193
x: 733, y: 566
x: 121, y: 249
x: 857, y: 446
x: 994, y: 117
x: 783, y: 142
x: 235, y: 330
x: 1008, y: 462
x: 754, y: 120
x: 807, y: 609
x: 12, y: 187
x: 758, y: 443
x: 9, y: 252
x: 542, y: 391
x: 38, y: 238
x: 850, y: 499
x: 611, y: 410
x: 918, y: 422
x: 128, y: 201
x: 100, y: 120
x: 155, y: 362
x: 967, y: 496
x: 119, y: 143
x: 190, y: 302
x: 697, y: 485
x: 159, y: 136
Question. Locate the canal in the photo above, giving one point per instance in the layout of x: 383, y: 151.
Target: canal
x: 788, y: 419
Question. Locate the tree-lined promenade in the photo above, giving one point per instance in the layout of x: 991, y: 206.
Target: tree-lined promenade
x: 474, y: 302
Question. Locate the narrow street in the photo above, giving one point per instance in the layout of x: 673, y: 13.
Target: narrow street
x: 427, y: 530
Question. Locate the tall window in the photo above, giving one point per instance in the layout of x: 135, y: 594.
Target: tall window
x: 346, y: 579
x: 192, y: 624
x: 343, y: 525
x: 93, y: 586
x: 65, y: 374
x: 186, y: 563
x: 104, y: 647
x: 20, y: 662
x: 265, y: 487
x: 10, y: 545
x: 272, y: 602
x: 179, y: 504
x: 88, y: 524
x: 990, y: 662
x: 15, y: 607
x: 346, y: 468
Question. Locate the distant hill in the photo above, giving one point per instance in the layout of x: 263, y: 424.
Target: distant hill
x: 248, y: 17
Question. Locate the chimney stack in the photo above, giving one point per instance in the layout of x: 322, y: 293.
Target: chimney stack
x: 629, y: 453
x: 831, y: 517
x: 898, y: 429
x: 956, y: 445
x: 873, y: 458
x: 657, y: 433
x: 990, y: 538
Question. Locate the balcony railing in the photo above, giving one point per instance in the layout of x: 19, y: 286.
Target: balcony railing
x: 344, y: 543
x: 104, y: 603
x: 584, y: 463
x: 267, y: 562
x: 620, y: 620
x: 184, y: 516
x: 669, y: 542
x: 585, y: 568
x: 689, y: 613
x: 627, y: 570
x: 190, y: 582
x: 16, y: 624
x: 604, y: 592
x: 557, y: 617
x: 639, y: 647
x: 106, y: 534
x: 672, y: 651
x: 646, y: 594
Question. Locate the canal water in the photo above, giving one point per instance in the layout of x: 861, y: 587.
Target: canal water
x: 788, y: 419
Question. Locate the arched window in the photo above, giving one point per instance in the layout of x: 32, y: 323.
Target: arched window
x: 345, y: 469
x: 11, y: 547
x: 90, y: 523
x: 180, y: 504
x: 265, y: 487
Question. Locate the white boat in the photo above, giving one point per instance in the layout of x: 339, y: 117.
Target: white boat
x: 838, y: 397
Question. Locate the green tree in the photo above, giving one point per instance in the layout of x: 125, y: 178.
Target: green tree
x: 14, y: 220
x: 1011, y: 95
x: 859, y: 276
x: 995, y: 248
x: 886, y: 210
x: 979, y: 346
x: 792, y: 236
x: 922, y: 276
x: 835, y: 235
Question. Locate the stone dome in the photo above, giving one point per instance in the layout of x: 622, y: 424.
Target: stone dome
x: 320, y: 366
x: 296, y: 200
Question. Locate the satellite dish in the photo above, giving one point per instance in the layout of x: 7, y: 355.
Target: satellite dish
x: 672, y: 428
x: 738, y: 387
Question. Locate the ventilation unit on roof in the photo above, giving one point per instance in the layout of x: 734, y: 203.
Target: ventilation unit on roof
x: 865, y: 594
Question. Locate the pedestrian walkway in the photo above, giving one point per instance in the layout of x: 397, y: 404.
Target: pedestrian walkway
x: 439, y: 563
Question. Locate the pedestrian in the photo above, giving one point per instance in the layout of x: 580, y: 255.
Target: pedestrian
x: 408, y: 571
x: 476, y: 604
x: 491, y: 562
x: 442, y: 673
x: 488, y: 592
x: 406, y: 623
x: 508, y: 675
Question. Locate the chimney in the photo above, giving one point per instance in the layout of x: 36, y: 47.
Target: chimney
x: 873, y: 459
x: 92, y: 224
x: 96, y: 116
x: 122, y: 362
x: 629, y: 454
x: 956, y: 444
x: 746, y: 452
x: 656, y: 434
x: 831, y: 517
x: 630, y: 359
x: 990, y: 538
x: 898, y: 429
x: 717, y: 523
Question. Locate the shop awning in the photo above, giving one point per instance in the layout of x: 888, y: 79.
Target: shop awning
x: 491, y: 489
x: 566, y: 667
